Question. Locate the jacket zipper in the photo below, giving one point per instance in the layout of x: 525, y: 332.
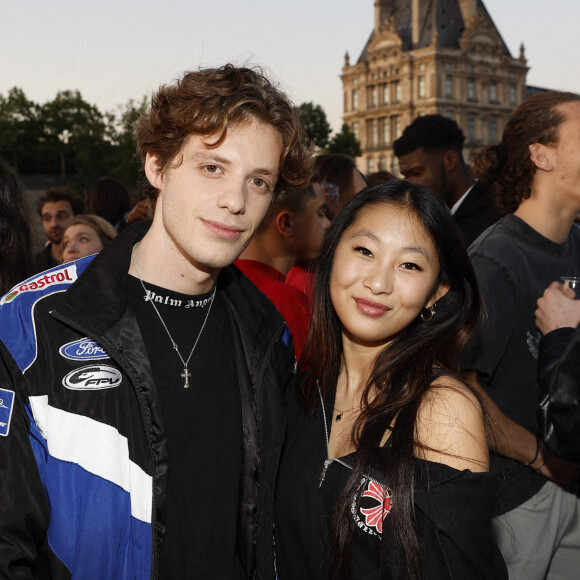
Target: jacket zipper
x: 328, y: 461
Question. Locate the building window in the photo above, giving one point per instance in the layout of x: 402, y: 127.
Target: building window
x: 355, y: 99
x: 386, y: 132
x: 386, y: 99
x: 354, y: 129
x: 373, y: 96
x: 471, y: 89
x: 370, y: 165
x: 396, y: 126
x: 374, y: 132
x: 493, y: 129
x: 470, y: 127
x: 493, y: 92
x: 421, y: 87
x: 382, y: 164
x: 512, y: 94
x: 449, y: 114
x: 449, y: 86
x: 398, y: 92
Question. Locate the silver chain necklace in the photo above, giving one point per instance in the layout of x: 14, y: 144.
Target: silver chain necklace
x: 185, y: 374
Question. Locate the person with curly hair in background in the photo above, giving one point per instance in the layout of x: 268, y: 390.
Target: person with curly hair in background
x: 536, y: 173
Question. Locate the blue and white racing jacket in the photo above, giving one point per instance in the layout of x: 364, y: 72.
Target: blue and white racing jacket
x: 83, y: 461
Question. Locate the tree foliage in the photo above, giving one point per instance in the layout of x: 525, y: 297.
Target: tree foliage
x: 69, y: 137
x: 315, y: 124
x: 345, y: 142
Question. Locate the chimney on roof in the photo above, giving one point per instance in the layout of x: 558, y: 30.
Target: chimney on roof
x: 415, y: 22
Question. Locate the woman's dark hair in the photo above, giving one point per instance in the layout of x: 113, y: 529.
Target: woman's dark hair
x: 508, y: 165
x: 108, y: 199
x: 15, y: 237
x: 404, y: 369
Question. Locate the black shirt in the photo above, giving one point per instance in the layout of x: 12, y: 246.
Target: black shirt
x: 452, y: 509
x: 203, y: 426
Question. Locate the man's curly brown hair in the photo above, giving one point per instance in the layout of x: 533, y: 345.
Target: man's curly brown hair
x: 508, y: 165
x: 209, y: 101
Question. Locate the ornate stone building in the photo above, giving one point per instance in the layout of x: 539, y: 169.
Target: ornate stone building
x: 430, y: 56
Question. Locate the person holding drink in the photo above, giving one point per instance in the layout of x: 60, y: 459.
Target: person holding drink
x: 536, y: 172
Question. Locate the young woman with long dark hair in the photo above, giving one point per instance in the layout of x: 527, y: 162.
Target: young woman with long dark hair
x: 384, y: 473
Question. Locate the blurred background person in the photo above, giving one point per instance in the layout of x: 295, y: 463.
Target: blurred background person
x: 56, y: 208
x: 15, y: 236
x: 430, y: 153
x: 109, y: 199
x: 340, y: 180
x: 535, y: 171
x: 87, y: 234
x: 292, y: 231
x: 379, y: 177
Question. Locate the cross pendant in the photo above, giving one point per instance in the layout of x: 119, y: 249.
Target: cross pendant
x: 338, y: 417
x: 186, y: 374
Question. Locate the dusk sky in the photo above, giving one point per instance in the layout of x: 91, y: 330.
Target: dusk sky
x: 115, y: 50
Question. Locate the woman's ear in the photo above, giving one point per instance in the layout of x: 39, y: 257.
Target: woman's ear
x: 438, y: 294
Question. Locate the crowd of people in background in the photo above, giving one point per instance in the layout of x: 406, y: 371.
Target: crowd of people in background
x: 385, y: 384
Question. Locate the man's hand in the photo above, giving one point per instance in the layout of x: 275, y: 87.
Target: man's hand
x: 139, y: 212
x: 557, y: 309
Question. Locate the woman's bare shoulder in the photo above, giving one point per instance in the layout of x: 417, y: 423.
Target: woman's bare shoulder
x: 450, y: 426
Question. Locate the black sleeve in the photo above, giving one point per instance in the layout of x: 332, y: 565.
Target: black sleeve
x: 454, y: 522
x: 559, y: 378
x: 23, y: 505
x: 552, y: 347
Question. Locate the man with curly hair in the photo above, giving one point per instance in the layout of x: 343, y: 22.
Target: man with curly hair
x: 536, y: 172
x: 142, y: 391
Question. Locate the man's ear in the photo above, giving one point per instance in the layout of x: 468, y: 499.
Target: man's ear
x: 153, y: 171
x: 450, y: 160
x: 285, y: 223
x: 541, y: 156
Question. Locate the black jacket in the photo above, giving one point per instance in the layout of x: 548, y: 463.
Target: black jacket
x: 83, y: 458
x: 476, y: 213
x: 559, y: 380
x: 452, y: 509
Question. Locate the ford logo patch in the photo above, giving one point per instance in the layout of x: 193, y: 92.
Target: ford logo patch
x: 82, y: 349
x: 93, y: 378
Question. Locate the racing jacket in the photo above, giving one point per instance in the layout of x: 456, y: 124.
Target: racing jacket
x: 83, y: 458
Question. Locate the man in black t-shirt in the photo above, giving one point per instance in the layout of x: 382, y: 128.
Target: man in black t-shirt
x: 143, y: 440
x: 536, y: 170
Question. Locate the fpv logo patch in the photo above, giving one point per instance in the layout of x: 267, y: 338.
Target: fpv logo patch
x: 93, y: 378
x: 6, y: 405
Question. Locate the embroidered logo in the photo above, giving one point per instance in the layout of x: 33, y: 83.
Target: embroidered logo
x: 375, y: 506
x: 82, y: 349
x: 93, y: 378
x: 68, y: 274
x: 6, y: 405
x: 534, y: 343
